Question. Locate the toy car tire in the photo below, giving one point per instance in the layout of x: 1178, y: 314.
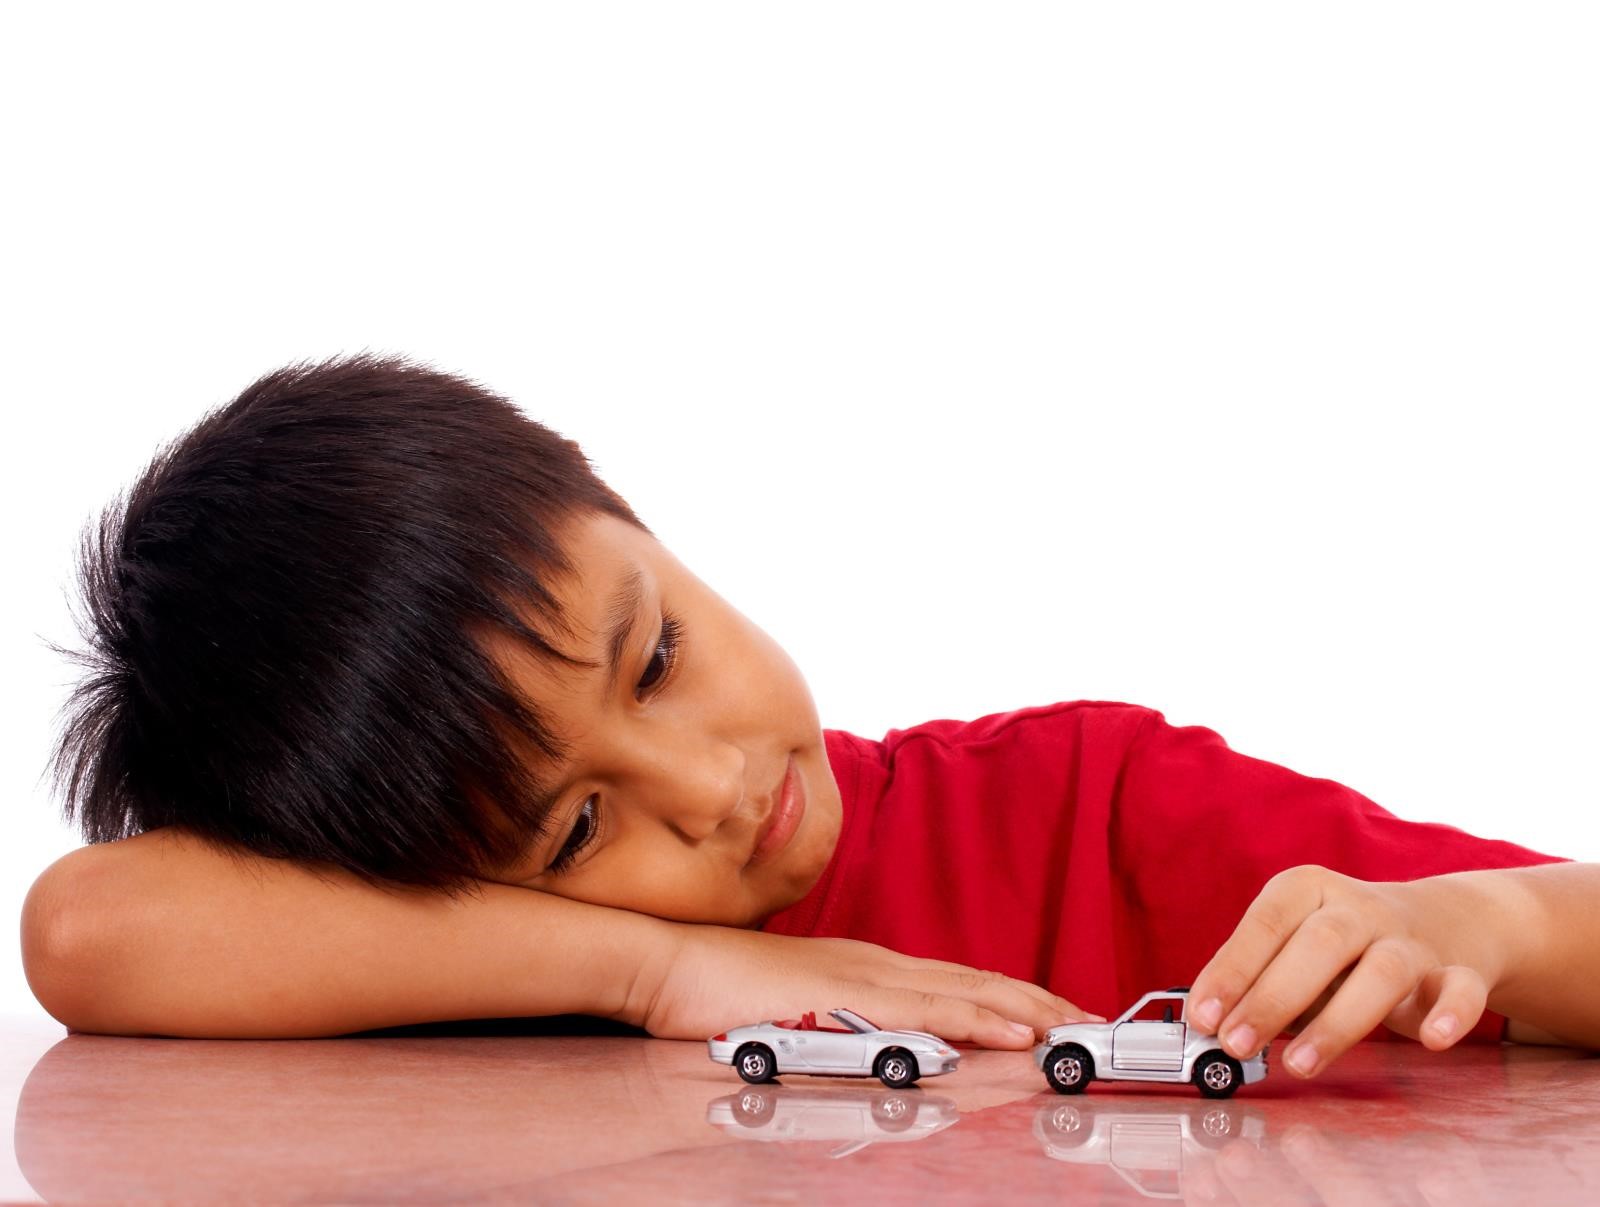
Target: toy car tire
x: 893, y: 1112
x: 754, y: 1108
x: 755, y: 1063
x: 896, y: 1068
x: 1218, y: 1128
x: 1069, y: 1069
x: 1217, y: 1074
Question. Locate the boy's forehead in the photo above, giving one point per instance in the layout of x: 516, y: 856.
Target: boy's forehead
x: 599, y: 600
x: 600, y: 549
x: 612, y: 570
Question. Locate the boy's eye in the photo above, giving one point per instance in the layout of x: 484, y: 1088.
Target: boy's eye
x: 666, y: 652
x: 583, y: 830
x: 588, y: 820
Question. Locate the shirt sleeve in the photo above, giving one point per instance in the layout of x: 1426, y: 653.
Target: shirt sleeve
x: 1199, y: 829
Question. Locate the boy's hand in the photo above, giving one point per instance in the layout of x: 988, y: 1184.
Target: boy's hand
x: 1331, y: 957
x: 714, y: 977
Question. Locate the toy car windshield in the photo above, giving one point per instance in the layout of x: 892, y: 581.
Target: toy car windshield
x: 855, y: 1022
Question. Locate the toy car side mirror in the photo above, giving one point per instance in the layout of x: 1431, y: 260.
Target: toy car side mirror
x: 1166, y: 1015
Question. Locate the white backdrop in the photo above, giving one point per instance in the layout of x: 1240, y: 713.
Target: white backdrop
x: 1235, y: 360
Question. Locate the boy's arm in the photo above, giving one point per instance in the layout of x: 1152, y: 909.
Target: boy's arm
x: 1552, y: 962
x: 166, y: 934
x: 1331, y: 957
x: 1319, y: 879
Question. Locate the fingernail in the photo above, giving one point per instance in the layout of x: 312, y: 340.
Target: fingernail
x: 1242, y: 1039
x: 1302, y: 1058
x: 1094, y: 1018
x: 1200, y: 1181
x: 1300, y: 1144
x: 1022, y: 1029
x: 1444, y: 1026
x: 1238, y: 1159
x: 1209, y: 1014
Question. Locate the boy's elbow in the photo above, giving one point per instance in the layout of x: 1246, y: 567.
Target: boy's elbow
x: 59, y: 941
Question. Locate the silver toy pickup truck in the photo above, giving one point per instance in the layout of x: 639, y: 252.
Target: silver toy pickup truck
x: 1149, y: 1042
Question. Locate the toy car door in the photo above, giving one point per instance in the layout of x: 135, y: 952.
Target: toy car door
x: 794, y: 1050
x: 838, y: 1051
x: 1150, y: 1041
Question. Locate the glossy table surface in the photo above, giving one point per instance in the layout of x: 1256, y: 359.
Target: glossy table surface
x: 602, y: 1119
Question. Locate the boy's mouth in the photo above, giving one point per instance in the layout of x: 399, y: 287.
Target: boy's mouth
x: 783, y: 818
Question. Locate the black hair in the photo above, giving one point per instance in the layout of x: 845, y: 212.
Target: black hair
x: 283, y: 620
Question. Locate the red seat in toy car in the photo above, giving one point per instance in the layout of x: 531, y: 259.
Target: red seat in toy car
x: 807, y: 1022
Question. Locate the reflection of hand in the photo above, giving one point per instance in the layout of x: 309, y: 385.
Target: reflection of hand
x: 1312, y: 1167
x: 715, y: 977
x: 1244, y: 1173
x: 1309, y: 1167
x: 1438, y: 1167
x: 1342, y: 955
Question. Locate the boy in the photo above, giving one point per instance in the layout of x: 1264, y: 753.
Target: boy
x: 372, y: 655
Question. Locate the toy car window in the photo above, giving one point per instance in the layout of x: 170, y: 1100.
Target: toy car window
x: 1155, y: 1010
x: 854, y: 1021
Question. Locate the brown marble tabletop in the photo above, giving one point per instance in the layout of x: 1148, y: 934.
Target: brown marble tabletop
x: 514, y: 1117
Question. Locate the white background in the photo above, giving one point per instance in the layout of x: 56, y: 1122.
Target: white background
x: 1235, y: 360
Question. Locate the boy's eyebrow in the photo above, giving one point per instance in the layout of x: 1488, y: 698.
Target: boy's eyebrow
x: 621, y: 617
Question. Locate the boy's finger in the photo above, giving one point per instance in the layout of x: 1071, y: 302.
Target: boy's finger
x: 1446, y: 1005
x: 1057, y: 1008
x: 1053, y: 1008
x: 952, y: 1019
x: 1273, y: 917
x: 1387, y: 973
x: 1053, y: 1003
x: 1327, y: 943
x: 1001, y: 994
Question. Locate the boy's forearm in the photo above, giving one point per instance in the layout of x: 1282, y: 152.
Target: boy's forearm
x: 1551, y: 914
x: 165, y: 935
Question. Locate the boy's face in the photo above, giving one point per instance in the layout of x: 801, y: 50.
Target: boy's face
x: 677, y: 766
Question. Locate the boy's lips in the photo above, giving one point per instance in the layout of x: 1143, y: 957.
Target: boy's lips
x: 789, y: 805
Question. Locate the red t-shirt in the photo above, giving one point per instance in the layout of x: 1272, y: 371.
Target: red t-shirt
x: 1091, y: 847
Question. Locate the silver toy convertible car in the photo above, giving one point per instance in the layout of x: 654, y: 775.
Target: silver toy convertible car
x: 1149, y: 1042
x: 855, y: 1048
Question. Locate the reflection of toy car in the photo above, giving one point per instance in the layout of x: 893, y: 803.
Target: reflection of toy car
x: 856, y: 1048
x: 1150, y: 1042
x: 1151, y: 1143
x: 848, y: 1116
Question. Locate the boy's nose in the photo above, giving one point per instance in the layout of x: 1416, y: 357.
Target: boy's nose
x: 698, y: 803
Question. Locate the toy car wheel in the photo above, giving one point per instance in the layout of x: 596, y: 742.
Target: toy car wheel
x: 754, y: 1108
x: 1217, y: 1074
x: 755, y: 1063
x: 1067, y: 1127
x: 896, y: 1068
x: 893, y: 1112
x: 1069, y: 1069
x: 1217, y: 1127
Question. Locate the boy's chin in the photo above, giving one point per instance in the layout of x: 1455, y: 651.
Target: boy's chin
x: 792, y: 881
